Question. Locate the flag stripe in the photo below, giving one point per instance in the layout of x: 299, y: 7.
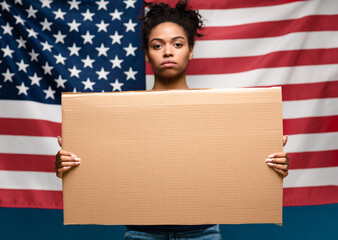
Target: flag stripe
x: 28, y: 145
x: 30, y: 110
x: 310, y: 125
x: 27, y: 162
x: 271, y: 29
x: 310, y: 196
x: 29, y: 180
x: 31, y: 199
x: 312, y: 177
x: 271, y: 60
x: 29, y: 127
x: 314, y: 159
x: 262, y: 77
x: 232, y: 17
x: 263, y: 46
x: 202, y: 4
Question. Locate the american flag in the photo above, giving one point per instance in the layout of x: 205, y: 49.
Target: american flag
x: 52, y: 46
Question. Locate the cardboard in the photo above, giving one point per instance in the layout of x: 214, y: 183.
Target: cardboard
x: 181, y: 157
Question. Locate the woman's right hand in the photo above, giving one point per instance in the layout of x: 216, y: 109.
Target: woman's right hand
x: 64, y: 161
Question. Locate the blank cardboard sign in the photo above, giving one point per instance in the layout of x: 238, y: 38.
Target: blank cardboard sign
x: 179, y: 157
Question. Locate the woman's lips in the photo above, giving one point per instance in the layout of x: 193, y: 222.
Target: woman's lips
x: 168, y: 64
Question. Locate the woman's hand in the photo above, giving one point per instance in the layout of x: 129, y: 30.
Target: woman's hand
x: 279, y: 161
x: 64, y: 161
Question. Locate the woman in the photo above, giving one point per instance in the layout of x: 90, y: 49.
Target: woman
x: 168, y: 39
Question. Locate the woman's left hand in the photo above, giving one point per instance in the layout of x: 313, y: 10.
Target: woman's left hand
x: 279, y: 161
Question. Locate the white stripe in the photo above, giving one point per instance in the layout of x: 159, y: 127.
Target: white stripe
x: 30, y: 110
x: 269, y: 13
x: 244, y: 47
x: 312, y: 177
x: 262, y: 77
x: 30, y: 180
x: 310, y: 108
x: 28, y: 145
x: 312, y: 142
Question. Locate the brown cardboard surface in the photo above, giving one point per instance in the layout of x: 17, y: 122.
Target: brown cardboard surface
x: 173, y: 157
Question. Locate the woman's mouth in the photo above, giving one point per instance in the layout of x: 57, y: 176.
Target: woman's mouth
x: 168, y: 63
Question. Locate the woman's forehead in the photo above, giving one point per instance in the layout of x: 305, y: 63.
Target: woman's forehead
x: 167, y: 30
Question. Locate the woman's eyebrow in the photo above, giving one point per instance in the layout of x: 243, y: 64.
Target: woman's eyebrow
x: 161, y: 40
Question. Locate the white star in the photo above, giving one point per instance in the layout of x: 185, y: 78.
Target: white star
x: 102, y: 74
x: 46, y: 25
x: 116, y: 62
x: 102, y: 50
x: 102, y: 26
x: 46, y: 46
x: 130, y: 26
x: 35, y: 79
x: 49, y: 93
x: 22, y: 66
x: 46, y: 3
x: 117, y: 85
x: 116, y: 15
x: 19, y: 20
x: 32, y: 33
x: 21, y: 42
x: 74, y: 90
x: 7, y: 29
x: 31, y: 12
x: 18, y: 1
x: 74, y: 4
x: 74, y: 50
x: 130, y: 74
x: 130, y: 3
x: 7, y: 51
x: 116, y: 38
x: 102, y: 4
x: 74, y: 26
x: 130, y: 50
x: 87, y: 15
x: 74, y: 72
x: 59, y: 14
x: 22, y: 89
x: 34, y: 56
x: 47, y: 69
x: 60, y: 82
x: 4, y: 6
x: 88, y: 62
x: 87, y: 38
x: 8, y: 76
x: 60, y: 59
x: 59, y: 37
x: 88, y: 84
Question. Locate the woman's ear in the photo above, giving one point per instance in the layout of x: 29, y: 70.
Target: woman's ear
x: 146, y: 57
x: 191, y: 53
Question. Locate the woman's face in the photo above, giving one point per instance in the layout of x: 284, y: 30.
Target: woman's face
x: 168, y: 51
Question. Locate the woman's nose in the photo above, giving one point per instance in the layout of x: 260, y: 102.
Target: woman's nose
x: 167, y: 51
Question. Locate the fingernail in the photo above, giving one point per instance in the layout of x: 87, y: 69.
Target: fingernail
x: 77, y: 159
x: 73, y: 155
x: 77, y: 163
x: 270, y: 164
x: 271, y: 155
x: 268, y: 160
x: 67, y: 167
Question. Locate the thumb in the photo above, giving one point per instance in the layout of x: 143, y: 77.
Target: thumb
x: 59, y: 141
x: 285, y: 140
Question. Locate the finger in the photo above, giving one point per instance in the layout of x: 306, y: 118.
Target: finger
x: 281, y: 172
x: 66, y: 164
x: 278, y: 155
x: 60, y: 171
x: 64, y: 158
x: 278, y: 166
x: 278, y: 160
x: 60, y: 141
x: 285, y: 140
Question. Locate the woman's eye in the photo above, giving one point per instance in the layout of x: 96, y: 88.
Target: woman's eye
x: 157, y: 46
x: 178, y: 45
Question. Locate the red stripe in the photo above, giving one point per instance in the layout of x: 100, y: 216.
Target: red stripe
x: 313, y: 159
x: 229, y: 4
x: 270, y: 60
x: 310, y: 125
x: 29, y: 127
x: 26, y: 162
x: 310, y: 196
x: 272, y: 28
x: 31, y: 199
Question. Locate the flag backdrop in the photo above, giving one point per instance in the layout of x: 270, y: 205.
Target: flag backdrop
x: 48, y: 47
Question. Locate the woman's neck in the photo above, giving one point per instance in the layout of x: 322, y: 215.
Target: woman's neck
x: 167, y: 84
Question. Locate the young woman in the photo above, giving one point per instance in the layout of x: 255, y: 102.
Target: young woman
x: 168, y: 39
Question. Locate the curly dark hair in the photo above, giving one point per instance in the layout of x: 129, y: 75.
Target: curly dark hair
x: 190, y: 20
